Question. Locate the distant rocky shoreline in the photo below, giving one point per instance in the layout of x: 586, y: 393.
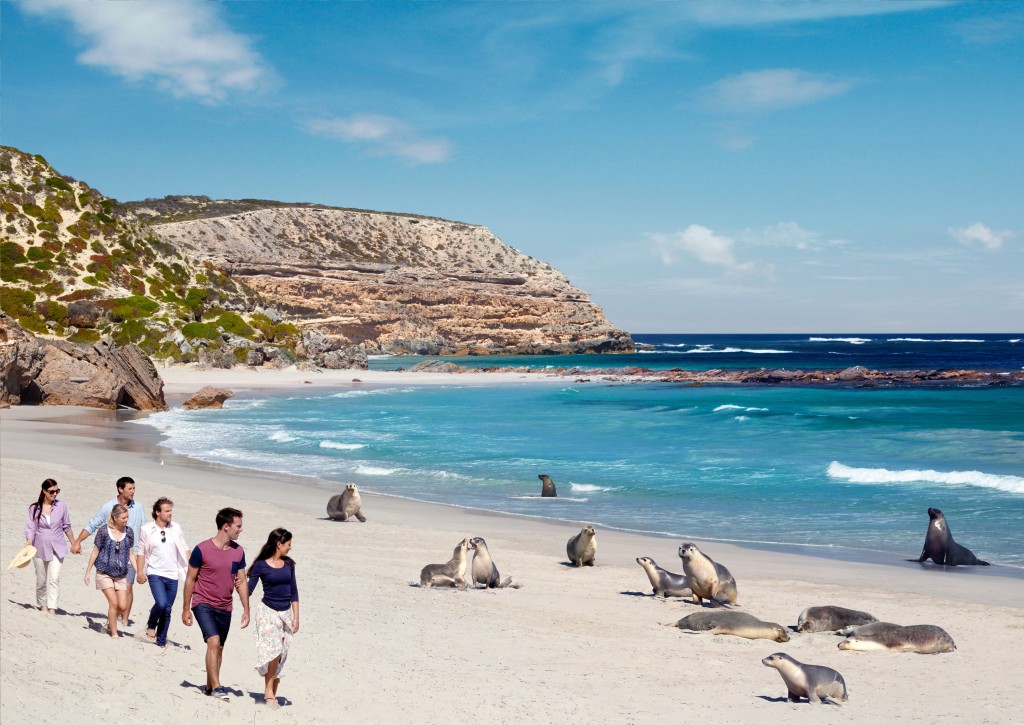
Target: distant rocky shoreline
x: 856, y: 376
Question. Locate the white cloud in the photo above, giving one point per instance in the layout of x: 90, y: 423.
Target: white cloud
x: 700, y: 242
x: 789, y: 234
x: 772, y: 89
x: 184, y: 47
x: 979, y: 233
x: 383, y: 136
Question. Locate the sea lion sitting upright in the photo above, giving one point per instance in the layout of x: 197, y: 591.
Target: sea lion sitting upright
x: 665, y: 583
x: 450, y: 574
x: 818, y: 684
x: 738, y: 624
x: 940, y: 547
x: 924, y: 639
x: 829, y: 618
x: 484, y: 570
x: 708, y: 579
x: 582, y: 548
x: 548, y: 487
x: 346, y: 504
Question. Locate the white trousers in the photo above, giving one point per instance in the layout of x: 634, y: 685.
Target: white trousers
x: 47, y: 581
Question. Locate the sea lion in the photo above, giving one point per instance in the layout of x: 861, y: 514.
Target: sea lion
x: 940, y: 547
x: 665, y: 583
x: 582, y: 548
x: 818, y: 684
x: 924, y: 639
x: 708, y: 579
x: 548, y: 487
x: 450, y: 574
x: 345, y: 504
x: 484, y: 570
x: 830, y: 618
x: 866, y: 629
x: 738, y: 624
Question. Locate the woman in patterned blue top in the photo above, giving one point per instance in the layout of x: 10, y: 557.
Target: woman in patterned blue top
x: 114, y: 543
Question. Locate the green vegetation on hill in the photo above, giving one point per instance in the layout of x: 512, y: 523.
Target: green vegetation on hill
x: 79, y: 265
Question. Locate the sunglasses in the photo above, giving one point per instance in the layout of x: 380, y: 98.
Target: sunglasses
x: 117, y: 547
x: 54, y: 491
x: 163, y: 537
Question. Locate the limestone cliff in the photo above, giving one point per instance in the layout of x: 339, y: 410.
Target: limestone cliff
x: 389, y: 282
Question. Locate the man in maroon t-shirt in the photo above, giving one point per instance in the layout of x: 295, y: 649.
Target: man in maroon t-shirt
x: 216, y: 567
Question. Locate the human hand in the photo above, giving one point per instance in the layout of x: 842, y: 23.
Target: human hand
x: 141, y: 578
x: 186, y: 618
x: 295, y: 626
x: 86, y: 578
x: 76, y: 548
x: 245, y: 619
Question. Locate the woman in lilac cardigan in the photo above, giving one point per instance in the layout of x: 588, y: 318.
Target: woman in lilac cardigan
x: 46, y: 526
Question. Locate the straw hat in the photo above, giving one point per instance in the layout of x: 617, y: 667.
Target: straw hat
x: 23, y: 557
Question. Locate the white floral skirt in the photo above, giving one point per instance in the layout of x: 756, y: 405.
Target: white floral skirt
x: 273, y: 637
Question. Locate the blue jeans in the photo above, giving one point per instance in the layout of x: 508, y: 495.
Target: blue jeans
x: 164, y: 591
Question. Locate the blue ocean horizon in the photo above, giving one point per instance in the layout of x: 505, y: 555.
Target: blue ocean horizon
x: 835, y: 471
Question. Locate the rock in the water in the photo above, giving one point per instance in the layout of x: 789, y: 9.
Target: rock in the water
x: 858, y: 372
x: 208, y: 397
x: 54, y: 372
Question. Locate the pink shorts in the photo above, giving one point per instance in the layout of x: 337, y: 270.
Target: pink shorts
x: 105, y: 581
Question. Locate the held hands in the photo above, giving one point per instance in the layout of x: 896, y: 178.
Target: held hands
x: 76, y: 548
x: 141, y: 578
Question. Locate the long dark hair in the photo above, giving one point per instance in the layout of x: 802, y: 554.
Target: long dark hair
x: 48, y: 483
x: 277, y: 536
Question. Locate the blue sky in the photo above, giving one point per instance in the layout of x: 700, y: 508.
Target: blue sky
x: 757, y: 166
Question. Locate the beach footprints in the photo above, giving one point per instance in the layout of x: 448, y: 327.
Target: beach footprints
x: 582, y: 548
x: 818, y: 684
x: 708, y: 579
x: 450, y: 574
x: 346, y: 504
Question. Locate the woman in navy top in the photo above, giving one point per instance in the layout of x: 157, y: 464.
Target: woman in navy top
x: 277, y: 614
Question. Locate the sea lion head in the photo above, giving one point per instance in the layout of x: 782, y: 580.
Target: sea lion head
x: 645, y: 561
x: 588, y: 532
x: 936, y: 519
x: 477, y: 542
x: 688, y: 551
x: 350, y: 487
x: 780, y: 634
x: 777, y: 659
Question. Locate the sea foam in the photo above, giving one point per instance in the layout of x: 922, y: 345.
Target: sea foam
x: 342, y: 446
x: 1009, y: 484
x: 730, y: 406
x: 851, y: 340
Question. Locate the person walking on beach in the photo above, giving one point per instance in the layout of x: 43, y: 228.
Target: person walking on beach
x: 165, y: 554
x: 111, y: 555
x: 46, y: 526
x: 277, y: 615
x: 215, y: 567
x: 125, y: 497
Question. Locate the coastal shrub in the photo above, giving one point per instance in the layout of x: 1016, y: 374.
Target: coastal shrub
x: 232, y: 322
x: 130, y: 331
x: 33, y: 210
x: 82, y: 294
x: 168, y: 350
x: 11, y: 253
x: 241, y: 354
x: 34, y: 323
x: 131, y: 308
x: 200, y: 331
x: 52, y: 310
x: 195, y: 301
x: 16, y: 302
x: 84, y: 336
x: 36, y: 254
x: 55, y: 182
x: 265, y: 325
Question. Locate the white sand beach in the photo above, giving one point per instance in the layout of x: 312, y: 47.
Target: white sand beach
x: 570, y: 646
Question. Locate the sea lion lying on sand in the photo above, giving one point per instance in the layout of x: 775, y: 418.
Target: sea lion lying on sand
x: 484, y: 570
x: 818, y: 684
x: 450, y: 574
x: 582, y: 548
x: 924, y: 639
x: 708, y: 579
x: 346, y: 504
x: 829, y: 618
x: 940, y: 547
x: 738, y: 624
x: 663, y: 582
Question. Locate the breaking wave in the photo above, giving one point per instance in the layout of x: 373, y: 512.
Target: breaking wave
x: 1009, y: 484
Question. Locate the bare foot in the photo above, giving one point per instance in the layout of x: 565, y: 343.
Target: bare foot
x: 271, y: 702
x: 51, y: 611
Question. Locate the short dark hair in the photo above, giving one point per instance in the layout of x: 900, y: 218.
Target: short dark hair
x: 160, y: 504
x: 227, y: 516
x: 124, y: 481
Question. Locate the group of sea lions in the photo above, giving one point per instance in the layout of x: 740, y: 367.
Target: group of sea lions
x: 453, y: 572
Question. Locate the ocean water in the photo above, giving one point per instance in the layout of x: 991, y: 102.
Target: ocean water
x: 808, y: 352
x: 836, y: 471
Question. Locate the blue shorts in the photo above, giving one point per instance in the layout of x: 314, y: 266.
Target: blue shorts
x: 212, y: 622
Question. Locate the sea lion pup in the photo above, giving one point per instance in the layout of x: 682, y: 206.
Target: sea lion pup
x: 940, y: 547
x: 738, y: 624
x: 818, y: 684
x: 582, y: 548
x: 484, y: 570
x: 345, y: 504
x: 866, y: 629
x: 708, y: 579
x: 830, y: 618
x: 451, y: 574
x: 924, y: 639
x: 548, y: 487
x: 663, y: 582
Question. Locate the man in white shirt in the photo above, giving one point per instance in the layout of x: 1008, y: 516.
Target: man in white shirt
x: 164, y: 554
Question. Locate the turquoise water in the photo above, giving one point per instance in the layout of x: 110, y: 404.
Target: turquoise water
x: 848, y: 471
